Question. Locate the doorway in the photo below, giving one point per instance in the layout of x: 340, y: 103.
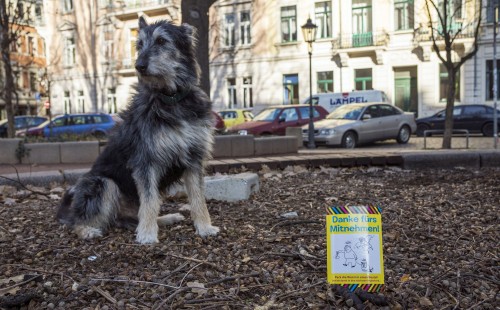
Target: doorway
x: 405, y: 89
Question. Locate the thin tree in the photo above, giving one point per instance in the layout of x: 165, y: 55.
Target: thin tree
x: 445, y: 29
x: 13, y: 15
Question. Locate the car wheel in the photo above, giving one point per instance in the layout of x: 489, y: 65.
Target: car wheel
x: 487, y: 130
x: 349, y: 140
x: 99, y: 135
x: 404, y: 135
x: 421, y: 128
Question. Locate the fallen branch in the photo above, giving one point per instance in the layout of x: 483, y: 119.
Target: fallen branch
x: 104, y: 294
x: 26, y: 279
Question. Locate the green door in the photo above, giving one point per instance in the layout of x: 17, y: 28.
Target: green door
x: 405, y: 95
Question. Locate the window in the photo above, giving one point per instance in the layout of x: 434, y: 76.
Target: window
x: 490, y: 10
x: 304, y: 112
x: 489, y: 79
x: 111, y: 98
x: 323, y: 13
x: 67, y: 6
x: 454, y: 13
x: 231, y: 89
x: 33, y: 82
x: 77, y: 120
x: 387, y: 110
x: 247, y: 92
x: 31, y: 46
x: 289, y: 115
x: 108, y: 44
x: 443, y: 84
x: 229, y: 39
x: 245, y: 36
x: 80, y: 100
x: 291, y: 89
x: 403, y: 14
x: 325, y: 82
x: 132, y: 39
x: 362, y: 23
x: 288, y: 24
x: 363, y: 79
x: 39, y: 17
x: 67, y: 102
x: 69, y: 51
x: 474, y: 110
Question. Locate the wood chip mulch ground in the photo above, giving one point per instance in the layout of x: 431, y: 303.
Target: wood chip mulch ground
x: 440, y: 235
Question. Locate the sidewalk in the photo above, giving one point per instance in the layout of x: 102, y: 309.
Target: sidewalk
x: 409, y: 156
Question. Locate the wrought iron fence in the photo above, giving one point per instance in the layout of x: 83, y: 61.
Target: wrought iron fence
x: 356, y: 40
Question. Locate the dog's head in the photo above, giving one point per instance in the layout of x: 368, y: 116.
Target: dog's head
x: 166, y: 56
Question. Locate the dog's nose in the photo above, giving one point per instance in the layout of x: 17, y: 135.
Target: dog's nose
x: 141, y: 68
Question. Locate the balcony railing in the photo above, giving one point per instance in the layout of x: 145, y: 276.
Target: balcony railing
x: 133, y: 4
x: 358, y: 40
x: 456, y: 30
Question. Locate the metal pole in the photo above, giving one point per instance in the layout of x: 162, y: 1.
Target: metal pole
x: 310, y: 144
x: 495, y: 81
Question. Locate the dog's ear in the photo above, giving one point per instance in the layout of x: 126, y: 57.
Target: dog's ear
x: 190, y: 32
x: 142, y: 22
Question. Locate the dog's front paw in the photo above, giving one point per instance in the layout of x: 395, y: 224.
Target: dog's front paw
x: 146, y: 238
x: 207, y: 230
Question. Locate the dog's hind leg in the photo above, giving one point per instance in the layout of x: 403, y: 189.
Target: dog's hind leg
x: 149, y: 197
x: 95, y: 205
x: 195, y: 188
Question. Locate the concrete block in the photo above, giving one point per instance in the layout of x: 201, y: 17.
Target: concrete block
x: 295, y: 132
x: 43, y: 153
x: 279, y: 145
x: 490, y: 158
x: 8, y: 149
x: 242, y: 146
x: 441, y: 160
x: 228, y: 188
x: 262, y: 146
x: 222, y: 146
x: 79, y: 152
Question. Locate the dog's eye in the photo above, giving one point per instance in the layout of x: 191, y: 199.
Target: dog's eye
x: 160, y: 41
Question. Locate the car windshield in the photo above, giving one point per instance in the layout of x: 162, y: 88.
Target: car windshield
x: 267, y: 115
x: 351, y: 112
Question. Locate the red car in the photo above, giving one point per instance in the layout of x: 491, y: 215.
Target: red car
x: 275, y: 119
x: 219, y: 125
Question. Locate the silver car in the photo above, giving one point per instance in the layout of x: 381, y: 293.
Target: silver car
x: 358, y: 123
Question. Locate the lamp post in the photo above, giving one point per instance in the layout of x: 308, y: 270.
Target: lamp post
x: 495, y: 79
x: 309, y: 34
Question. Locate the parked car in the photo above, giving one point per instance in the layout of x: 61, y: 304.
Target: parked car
x: 33, y: 131
x: 275, y: 119
x: 97, y: 124
x: 233, y: 117
x: 357, y: 123
x: 21, y: 122
x: 476, y: 118
x: 219, y: 125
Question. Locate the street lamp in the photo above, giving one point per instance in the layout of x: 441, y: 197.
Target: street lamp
x: 309, y: 34
x: 495, y: 80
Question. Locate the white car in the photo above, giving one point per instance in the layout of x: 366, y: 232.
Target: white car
x: 357, y: 123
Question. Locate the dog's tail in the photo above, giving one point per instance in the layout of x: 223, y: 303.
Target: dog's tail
x: 93, y: 203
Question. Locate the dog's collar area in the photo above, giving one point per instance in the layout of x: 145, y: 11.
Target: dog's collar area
x: 175, y: 97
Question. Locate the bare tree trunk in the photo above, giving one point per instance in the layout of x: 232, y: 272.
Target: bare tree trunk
x: 450, y: 102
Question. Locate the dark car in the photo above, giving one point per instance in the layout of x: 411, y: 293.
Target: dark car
x: 476, y: 118
x: 275, y: 119
x: 20, y: 123
x: 96, y: 124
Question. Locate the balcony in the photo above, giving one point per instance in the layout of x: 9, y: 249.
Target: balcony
x: 360, y: 40
x: 129, y: 9
x: 456, y: 31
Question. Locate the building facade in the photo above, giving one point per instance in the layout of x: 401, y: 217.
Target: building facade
x: 27, y: 57
x: 92, y: 51
x: 258, y: 56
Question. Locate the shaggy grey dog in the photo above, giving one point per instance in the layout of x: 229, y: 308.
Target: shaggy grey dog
x: 166, y: 135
